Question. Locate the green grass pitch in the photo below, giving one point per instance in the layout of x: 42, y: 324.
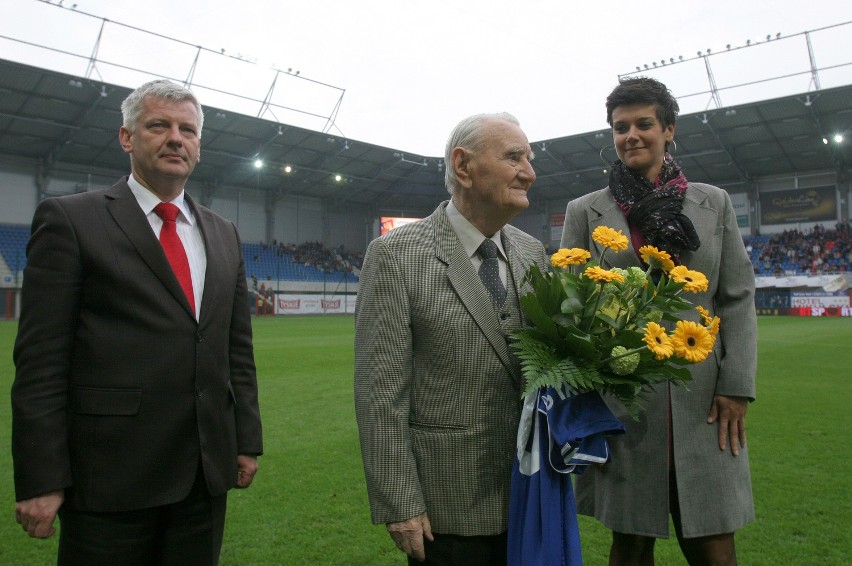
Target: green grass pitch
x: 308, y: 505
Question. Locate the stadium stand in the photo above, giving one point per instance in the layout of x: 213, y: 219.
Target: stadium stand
x: 793, y: 252
x: 310, y: 262
x: 13, y: 245
x: 817, y: 251
x: 305, y: 262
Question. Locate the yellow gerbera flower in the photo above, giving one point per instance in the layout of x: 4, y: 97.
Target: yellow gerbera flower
x: 573, y: 256
x: 712, y: 325
x: 691, y: 341
x: 694, y: 281
x: 658, y: 259
x: 612, y: 239
x: 600, y: 274
x: 658, y: 341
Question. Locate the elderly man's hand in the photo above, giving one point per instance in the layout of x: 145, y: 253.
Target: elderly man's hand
x: 408, y: 535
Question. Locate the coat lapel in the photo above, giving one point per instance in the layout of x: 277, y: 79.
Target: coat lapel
x: 703, y: 219
x: 467, y: 285
x: 122, y: 205
x: 608, y: 214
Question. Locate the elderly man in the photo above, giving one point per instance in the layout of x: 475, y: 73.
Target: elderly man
x: 437, y: 390
x: 135, y: 400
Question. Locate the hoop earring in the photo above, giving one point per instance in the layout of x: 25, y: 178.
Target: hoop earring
x: 674, y: 143
x: 600, y: 153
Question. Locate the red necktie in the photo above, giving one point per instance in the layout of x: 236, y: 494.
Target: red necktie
x: 174, y: 248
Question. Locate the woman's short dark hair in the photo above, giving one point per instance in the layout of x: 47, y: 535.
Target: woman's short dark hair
x: 643, y: 90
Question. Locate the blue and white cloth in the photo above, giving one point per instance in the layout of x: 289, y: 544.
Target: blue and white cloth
x: 558, y: 434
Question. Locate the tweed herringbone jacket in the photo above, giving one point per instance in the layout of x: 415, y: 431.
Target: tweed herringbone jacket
x: 437, y: 393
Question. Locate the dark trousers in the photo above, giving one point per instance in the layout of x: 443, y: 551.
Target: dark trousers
x: 455, y: 550
x: 186, y: 533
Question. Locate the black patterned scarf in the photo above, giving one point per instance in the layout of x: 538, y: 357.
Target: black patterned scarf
x: 655, y: 208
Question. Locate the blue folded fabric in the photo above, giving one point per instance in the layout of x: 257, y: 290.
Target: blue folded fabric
x: 558, y: 434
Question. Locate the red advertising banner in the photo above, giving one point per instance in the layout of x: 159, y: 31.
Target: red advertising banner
x: 388, y: 223
x: 557, y: 221
x: 807, y: 311
x: 314, y: 304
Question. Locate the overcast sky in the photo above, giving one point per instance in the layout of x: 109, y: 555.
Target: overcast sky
x: 402, y: 73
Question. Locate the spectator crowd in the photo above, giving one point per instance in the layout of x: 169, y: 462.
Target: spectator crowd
x: 314, y: 254
x: 792, y: 252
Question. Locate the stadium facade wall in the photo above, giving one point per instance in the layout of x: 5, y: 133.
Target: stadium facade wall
x: 18, y: 196
x: 291, y: 219
x: 263, y: 217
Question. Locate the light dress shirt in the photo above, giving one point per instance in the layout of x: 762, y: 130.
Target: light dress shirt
x: 187, y: 230
x: 471, y: 238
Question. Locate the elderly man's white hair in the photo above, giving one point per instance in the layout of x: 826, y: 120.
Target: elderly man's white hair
x: 468, y: 135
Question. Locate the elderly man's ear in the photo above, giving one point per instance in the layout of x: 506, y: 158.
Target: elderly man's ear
x: 461, y: 160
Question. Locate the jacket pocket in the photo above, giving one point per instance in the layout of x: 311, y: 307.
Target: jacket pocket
x: 99, y: 401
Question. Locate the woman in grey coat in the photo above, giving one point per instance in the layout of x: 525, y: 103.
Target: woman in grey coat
x: 686, y: 455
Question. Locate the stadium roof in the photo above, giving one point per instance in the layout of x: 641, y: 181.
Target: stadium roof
x: 69, y: 123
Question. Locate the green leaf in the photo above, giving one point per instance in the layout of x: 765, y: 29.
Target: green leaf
x: 582, y: 345
x: 535, y: 313
x: 571, y: 305
x: 607, y: 320
x: 542, y: 367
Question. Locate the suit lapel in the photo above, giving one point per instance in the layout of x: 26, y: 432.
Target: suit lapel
x: 467, y: 285
x: 122, y: 205
x: 207, y: 228
x: 518, y: 263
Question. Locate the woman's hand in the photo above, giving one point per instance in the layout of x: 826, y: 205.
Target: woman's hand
x: 730, y: 412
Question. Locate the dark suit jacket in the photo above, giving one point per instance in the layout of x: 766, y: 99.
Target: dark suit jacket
x: 119, y: 392
x: 437, y: 394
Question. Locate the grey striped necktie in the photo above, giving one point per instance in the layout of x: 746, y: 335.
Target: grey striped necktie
x: 489, y: 271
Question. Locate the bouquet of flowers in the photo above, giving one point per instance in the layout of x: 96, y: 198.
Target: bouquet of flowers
x: 598, y: 329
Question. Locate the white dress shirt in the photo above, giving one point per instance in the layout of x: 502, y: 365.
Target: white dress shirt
x: 187, y: 230
x: 471, y: 238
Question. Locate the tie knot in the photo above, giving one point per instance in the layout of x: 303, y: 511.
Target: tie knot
x: 488, y: 249
x: 167, y: 211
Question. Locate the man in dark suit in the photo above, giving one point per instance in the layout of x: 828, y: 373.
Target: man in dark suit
x: 437, y: 391
x: 135, y: 399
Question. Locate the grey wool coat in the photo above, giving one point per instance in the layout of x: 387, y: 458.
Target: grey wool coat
x: 437, y: 391
x: 631, y: 493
